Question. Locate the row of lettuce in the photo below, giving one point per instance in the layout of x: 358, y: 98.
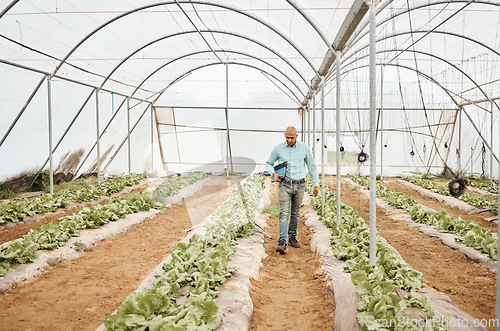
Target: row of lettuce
x: 18, y: 209
x: 379, y: 308
x: 52, y: 236
x: 482, y: 183
x: 199, y: 266
x: 472, y: 199
x: 468, y: 232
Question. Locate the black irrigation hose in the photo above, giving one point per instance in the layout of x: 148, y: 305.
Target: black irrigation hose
x: 457, y: 186
x: 362, y: 157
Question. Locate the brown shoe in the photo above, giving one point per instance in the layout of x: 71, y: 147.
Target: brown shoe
x: 293, y: 242
x: 281, y: 248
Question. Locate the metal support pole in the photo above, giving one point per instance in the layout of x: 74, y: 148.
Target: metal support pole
x: 308, y: 126
x: 382, y: 121
x: 227, y: 122
x: 373, y: 141
x: 302, y: 119
x: 314, y: 126
x: 129, y: 153
x: 459, y: 141
x: 98, y: 146
x: 51, y: 157
x: 152, y: 139
x: 322, y: 141
x: 337, y: 134
x: 491, y: 143
x: 497, y: 328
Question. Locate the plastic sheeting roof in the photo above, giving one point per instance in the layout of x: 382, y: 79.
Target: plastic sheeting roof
x: 432, y: 55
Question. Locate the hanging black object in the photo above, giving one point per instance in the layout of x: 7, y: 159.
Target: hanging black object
x: 317, y: 139
x: 445, y: 145
x: 457, y: 187
x: 412, y: 153
x: 483, y: 159
x: 341, y: 148
x: 324, y: 146
x: 362, y: 157
x: 424, y: 148
x: 363, y: 146
x: 385, y: 145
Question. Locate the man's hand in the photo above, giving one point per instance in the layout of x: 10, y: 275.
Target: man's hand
x: 277, y: 177
x: 316, y: 190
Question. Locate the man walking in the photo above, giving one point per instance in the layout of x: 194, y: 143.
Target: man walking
x: 292, y: 184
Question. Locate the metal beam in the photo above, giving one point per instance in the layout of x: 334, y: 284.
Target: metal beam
x: 351, y: 21
x: 255, y: 41
x: 164, y: 3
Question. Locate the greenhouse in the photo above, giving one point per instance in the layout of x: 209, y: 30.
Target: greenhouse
x: 135, y: 143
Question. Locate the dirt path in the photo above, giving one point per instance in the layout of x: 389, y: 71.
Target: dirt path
x: 470, y: 285
x: 436, y: 205
x: 78, y: 294
x: 290, y: 294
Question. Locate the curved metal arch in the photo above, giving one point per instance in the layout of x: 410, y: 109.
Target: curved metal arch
x: 361, y: 34
x: 203, y: 31
x: 310, y: 21
x: 176, y: 2
x: 188, y: 72
x: 8, y: 7
x: 431, y: 55
x: 226, y: 51
x: 397, y: 34
x: 432, y: 80
x: 207, y: 65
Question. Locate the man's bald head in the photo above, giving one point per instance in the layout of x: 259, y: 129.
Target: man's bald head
x: 291, y: 130
x: 291, y: 135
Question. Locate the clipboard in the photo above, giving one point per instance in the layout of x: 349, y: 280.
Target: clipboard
x: 280, y: 169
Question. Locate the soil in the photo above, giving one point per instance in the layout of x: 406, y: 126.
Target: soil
x: 469, y: 284
x: 78, y: 294
x: 290, y: 294
x: 22, y: 228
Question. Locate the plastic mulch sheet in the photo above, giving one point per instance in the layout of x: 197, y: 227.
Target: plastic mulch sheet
x: 450, y: 201
x: 346, y: 298
x: 234, y: 302
x: 447, y: 239
x: 46, y: 258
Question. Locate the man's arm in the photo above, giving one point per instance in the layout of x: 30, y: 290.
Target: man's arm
x: 270, y: 163
x: 271, y: 160
x: 313, y: 170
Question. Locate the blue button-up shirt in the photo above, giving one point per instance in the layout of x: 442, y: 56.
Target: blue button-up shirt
x: 297, y: 156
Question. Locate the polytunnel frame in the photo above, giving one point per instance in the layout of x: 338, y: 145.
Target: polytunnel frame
x: 488, y: 98
x: 177, y: 2
x: 362, y: 32
x: 176, y: 80
x: 272, y: 50
x: 432, y: 80
x: 455, y: 67
x: 213, y: 51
